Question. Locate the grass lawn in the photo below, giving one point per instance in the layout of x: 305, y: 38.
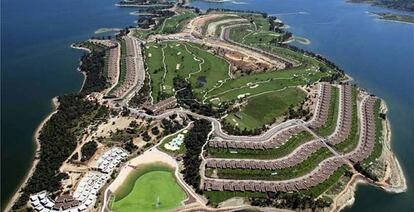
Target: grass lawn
x: 215, y: 197
x: 122, y: 67
x: 269, y: 81
x: 213, y: 70
x: 329, y: 127
x: 300, y: 169
x: 351, y: 141
x: 182, y: 59
x: 376, y: 152
x: 170, y: 138
x: 179, y: 62
x: 324, y: 186
x: 264, y: 108
x: 168, y: 25
x: 283, y: 150
x: 175, y: 23
x: 261, y: 38
x: 153, y: 60
x: 259, y: 21
x: 150, y: 188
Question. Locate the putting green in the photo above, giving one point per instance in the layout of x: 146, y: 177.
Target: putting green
x: 154, y: 189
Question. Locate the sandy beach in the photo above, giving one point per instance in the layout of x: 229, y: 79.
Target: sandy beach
x: 80, y: 48
x: 15, y: 197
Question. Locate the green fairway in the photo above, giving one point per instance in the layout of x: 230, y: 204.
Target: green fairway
x: 153, y: 60
x: 170, y: 59
x: 175, y: 23
x: 269, y: 81
x: 169, y: 25
x: 149, y: 188
x: 272, y: 105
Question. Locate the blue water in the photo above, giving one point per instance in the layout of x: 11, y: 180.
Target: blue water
x: 379, y: 55
x: 38, y: 64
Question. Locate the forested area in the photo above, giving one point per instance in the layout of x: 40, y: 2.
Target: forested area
x: 142, y: 95
x: 93, y: 65
x: 186, y: 98
x: 58, y: 139
x: 407, y: 5
x: 88, y: 150
x: 193, y: 142
x: 295, y: 201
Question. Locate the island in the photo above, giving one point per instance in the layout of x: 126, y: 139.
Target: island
x: 405, y: 5
x: 197, y: 110
x: 395, y: 17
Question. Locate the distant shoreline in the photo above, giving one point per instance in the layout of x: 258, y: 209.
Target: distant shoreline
x: 376, y: 4
x: 390, y: 17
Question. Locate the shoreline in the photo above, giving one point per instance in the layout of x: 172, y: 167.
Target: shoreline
x: 383, y: 18
x: 80, y: 64
x: 35, y: 137
x: 346, y: 197
x: 37, y: 149
x: 393, y: 173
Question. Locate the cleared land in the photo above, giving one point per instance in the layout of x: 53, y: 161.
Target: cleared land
x: 272, y: 105
x: 149, y: 188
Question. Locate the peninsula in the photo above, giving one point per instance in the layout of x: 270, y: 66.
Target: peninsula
x: 204, y: 111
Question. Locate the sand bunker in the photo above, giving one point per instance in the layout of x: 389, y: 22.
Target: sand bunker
x: 254, y: 86
x: 243, y: 95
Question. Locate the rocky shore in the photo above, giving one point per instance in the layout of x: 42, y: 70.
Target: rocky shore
x: 393, y: 180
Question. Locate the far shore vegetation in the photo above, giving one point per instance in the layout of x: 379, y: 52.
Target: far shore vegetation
x: 395, y: 17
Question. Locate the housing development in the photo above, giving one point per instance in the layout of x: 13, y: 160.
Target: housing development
x: 212, y: 110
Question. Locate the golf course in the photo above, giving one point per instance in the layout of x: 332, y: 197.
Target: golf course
x: 149, y: 188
